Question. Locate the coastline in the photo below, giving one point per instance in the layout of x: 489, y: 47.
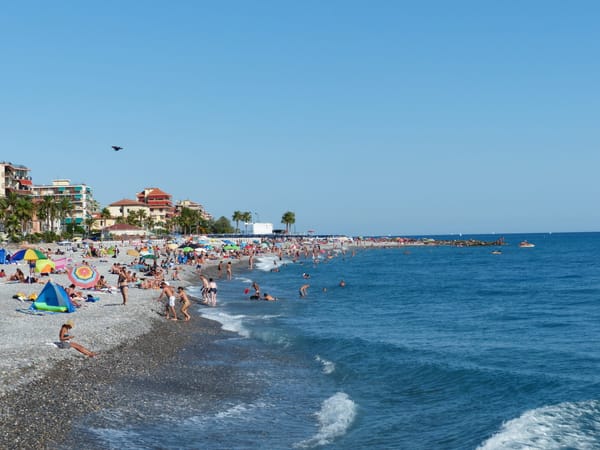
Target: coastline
x: 44, y: 390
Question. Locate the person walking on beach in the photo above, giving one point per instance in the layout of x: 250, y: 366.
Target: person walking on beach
x: 66, y: 339
x: 123, y: 284
x: 212, y: 292
x: 229, y: 273
x: 167, y: 291
x: 185, y: 303
x: 220, y: 270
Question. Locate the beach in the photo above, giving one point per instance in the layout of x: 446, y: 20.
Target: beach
x: 44, y: 388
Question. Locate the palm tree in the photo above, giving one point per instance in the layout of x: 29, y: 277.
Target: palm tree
x: 246, y: 217
x: 288, y: 219
x: 23, y: 211
x: 64, y: 209
x: 237, y: 216
x: 46, y: 210
x: 89, y: 223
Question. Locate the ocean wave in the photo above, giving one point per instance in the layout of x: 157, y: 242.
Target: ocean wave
x: 228, y: 322
x: 336, y: 415
x: 328, y: 366
x: 566, y: 425
x: 117, y: 438
x: 267, y: 263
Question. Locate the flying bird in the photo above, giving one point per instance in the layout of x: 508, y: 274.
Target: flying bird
x: 116, y: 148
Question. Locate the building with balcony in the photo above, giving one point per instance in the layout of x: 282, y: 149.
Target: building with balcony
x: 159, y: 203
x: 80, y: 196
x: 124, y: 208
x: 14, y: 178
x: 194, y: 207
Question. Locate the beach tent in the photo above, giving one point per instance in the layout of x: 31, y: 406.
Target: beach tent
x: 53, y: 298
x: 3, y: 256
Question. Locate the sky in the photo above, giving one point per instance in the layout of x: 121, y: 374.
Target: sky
x: 361, y: 117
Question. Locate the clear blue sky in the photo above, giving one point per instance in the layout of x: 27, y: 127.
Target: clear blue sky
x: 362, y: 117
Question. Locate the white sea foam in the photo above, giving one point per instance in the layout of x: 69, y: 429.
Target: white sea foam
x: 241, y: 410
x: 566, y: 425
x: 244, y: 280
x: 328, y: 366
x: 229, y: 322
x: 117, y: 438
x: 267, y: 263
x: 335, y: 417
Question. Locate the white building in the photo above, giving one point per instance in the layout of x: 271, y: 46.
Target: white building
x: 261, y: 228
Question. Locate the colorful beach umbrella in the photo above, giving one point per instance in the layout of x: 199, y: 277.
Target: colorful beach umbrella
x: 44, y: 265
x: 28, y: 254
x: 187, y: 249
x: 133, y: 252
x: 83, y: 276
x: 149, y: 256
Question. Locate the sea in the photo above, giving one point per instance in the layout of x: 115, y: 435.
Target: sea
x: 425, y: 347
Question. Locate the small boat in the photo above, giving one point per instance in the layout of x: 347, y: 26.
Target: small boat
x: 526, y: 244
x: 496, y: 252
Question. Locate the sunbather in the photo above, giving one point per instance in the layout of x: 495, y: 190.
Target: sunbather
x: 66, y: 339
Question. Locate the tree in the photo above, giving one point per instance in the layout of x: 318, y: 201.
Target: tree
x: 237, y: 217
x: 246, y: 217
x: 288, y: 218
x: 222, y: 226
x: 64, y: 209
x: 23, y: 211
x: 46, y: 212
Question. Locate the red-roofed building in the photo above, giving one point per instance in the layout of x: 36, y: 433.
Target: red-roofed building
x: 125, y: 231
x: 159, y: 202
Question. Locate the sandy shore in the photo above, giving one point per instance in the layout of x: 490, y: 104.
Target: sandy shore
x: 39, y: 380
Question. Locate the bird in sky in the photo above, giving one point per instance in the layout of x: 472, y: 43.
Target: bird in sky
x: 116, y: 148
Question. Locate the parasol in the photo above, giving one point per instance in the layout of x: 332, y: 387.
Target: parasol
x: 83, y: 276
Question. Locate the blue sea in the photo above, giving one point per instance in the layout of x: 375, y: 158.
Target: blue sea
x: 424, y: 348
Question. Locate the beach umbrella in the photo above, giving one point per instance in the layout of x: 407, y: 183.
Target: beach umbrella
x: 172, y: 246
x: 83, y: 276
x: 149, y: 256
x: 133, y: 252
x: 187, y: 249
x: 28, y: 254
x: 44, y: 265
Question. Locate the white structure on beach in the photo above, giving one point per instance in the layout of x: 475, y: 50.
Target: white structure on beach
x: 261, y: 228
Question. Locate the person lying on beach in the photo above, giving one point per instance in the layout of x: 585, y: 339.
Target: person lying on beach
x: 66, y: 339
x: 185, y: 303
x: 75, y: 296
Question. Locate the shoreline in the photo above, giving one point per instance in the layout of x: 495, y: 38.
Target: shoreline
x: 44, y: 389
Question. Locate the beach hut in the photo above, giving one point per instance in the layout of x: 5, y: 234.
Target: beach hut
x: 53, y: 298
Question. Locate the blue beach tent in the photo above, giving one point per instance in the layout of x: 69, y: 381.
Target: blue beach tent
x: 3, y: 256
x: 53, y: 298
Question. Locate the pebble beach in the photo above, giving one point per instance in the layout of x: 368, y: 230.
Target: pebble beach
x: 43, y: 388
